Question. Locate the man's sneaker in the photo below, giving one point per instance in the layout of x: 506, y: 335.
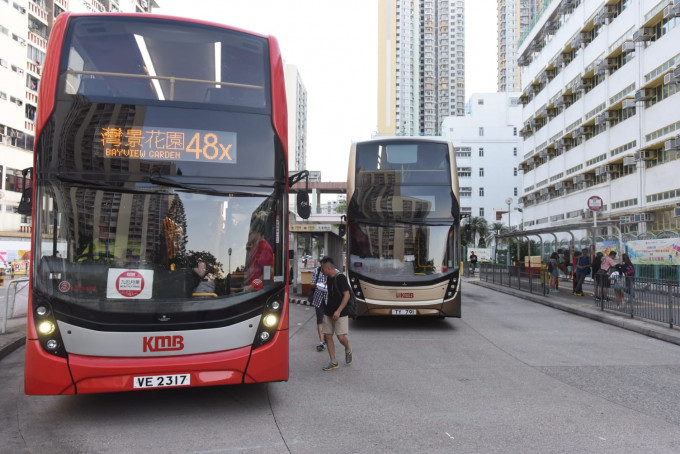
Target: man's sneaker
x: 348, y: 356
x: 330, y: 366
x: 321, y: 347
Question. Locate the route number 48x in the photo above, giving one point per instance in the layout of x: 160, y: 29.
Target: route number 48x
x: 208, y: 147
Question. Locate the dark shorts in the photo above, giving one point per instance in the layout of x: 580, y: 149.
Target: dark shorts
x: 319, y: 315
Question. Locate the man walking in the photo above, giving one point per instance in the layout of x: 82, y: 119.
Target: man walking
x: 336, y: 320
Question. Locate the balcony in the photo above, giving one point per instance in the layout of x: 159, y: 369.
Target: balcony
x: 38, y: 11
x: 38, y: 40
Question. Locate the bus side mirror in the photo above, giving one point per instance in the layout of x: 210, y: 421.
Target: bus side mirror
x: 304, y: 210
x: 25, y: 207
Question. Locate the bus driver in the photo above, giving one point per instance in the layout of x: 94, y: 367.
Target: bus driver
x: 260, y: 257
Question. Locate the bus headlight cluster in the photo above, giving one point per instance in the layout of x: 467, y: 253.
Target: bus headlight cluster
x: 453, y: 287
x: 356, y: 287
x: 271, y: 317
x: 48, y: 334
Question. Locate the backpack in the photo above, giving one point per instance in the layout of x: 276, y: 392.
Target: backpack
x: 352, y: 303
x: 550, y: 266
x: 618, y: 279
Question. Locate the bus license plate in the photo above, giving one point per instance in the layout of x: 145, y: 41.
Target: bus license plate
x: 162, y: 381
x: 404, y: 312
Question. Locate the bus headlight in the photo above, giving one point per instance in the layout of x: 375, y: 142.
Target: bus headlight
x: 46, y: 327
x: 270, y: 320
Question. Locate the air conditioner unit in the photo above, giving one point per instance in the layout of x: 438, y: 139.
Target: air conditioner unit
x: 601, y: 67
x: 543, y: 154
x: 647, y: 155
x: 587, y: 214
x: 612, y: 168
x: 531, y: 196
x: 568, y: 184
x: 553, y: 112
x: 587, y: 176
x: 530, y: 161
x: 672, y: 144
x: 629, y: 161
x: 611, y: 62
x: 671, y: 11
x: 644, y: 217
x: 524, y: 100
x: 577, y: 179
x: 600, y: 120
x: 676, y: 212
x: 577, y: 41
x: 628, y: 104
x: 628, y: 46
x: 644, y: 34
x: 611, y: 115
x: 611, y: 11
x: 584, y: 84
x: 626, y: 220
x: 584, y: 131
x: 645, y: 94
x: 544, y: 191
x: 670, y: 79
x: 559, y: 186
x: 599, y: 171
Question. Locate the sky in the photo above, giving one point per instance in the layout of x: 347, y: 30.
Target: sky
x: 334, y: 45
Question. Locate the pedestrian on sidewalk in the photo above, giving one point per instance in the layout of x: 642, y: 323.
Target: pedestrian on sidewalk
x: 630, y: 274
x: 473, y: 262
x: 582, y: 270
x: 320, y: 296
x: 553, y: 268
x: 336, y: 319
x: 606, y: 268
x: 597, y: 262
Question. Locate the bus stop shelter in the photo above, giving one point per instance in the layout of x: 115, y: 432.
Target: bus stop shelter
x: 553, y: 231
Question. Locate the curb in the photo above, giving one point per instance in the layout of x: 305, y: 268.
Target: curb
x: 299, y: 300
x: 12, y: 345
x: 646, y: 328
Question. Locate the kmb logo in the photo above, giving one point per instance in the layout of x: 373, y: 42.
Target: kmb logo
x: 163, y: 343
x: 404, y: 295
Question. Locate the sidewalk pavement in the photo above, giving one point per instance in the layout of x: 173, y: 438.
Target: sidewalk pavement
x: 585, y: 306
x: 15, y: 336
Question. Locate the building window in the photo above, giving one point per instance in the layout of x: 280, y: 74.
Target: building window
x: 515, y: 192
x: 480, y: 102
x: 481, y: 152
x: 481, y: 212
x: 514, y: 150
x: 481, y: 171
x: 514, y: 171
x: 481, y: 131
x: 481, y: 192
x: 514, y: 133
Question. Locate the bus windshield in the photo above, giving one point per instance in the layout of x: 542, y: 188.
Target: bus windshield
x: 401, y: 252
x: 154, y: 244
x: 164, y: 61
x: 402, y: 182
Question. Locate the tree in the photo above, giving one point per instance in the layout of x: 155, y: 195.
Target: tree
x: 479, y: 228
x: 341, y: 208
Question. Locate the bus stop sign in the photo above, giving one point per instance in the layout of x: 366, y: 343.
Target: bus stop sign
x: 595, y: 203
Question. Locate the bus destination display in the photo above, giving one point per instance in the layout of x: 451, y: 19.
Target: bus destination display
x: 169, y: 144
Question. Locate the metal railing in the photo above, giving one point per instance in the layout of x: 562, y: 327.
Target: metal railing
x: 6, y: 312
x: 641, y: 297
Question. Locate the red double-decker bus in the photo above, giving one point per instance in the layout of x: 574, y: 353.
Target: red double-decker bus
x: 159, y: 208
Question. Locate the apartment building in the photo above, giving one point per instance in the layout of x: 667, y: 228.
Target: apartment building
x: 487, y: 144
x: 25, y: 26
x: 296, y: 97
x: 601, y: 114
x: 421, y: 65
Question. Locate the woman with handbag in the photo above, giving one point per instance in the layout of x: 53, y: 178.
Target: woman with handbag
x: 607, y: 266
